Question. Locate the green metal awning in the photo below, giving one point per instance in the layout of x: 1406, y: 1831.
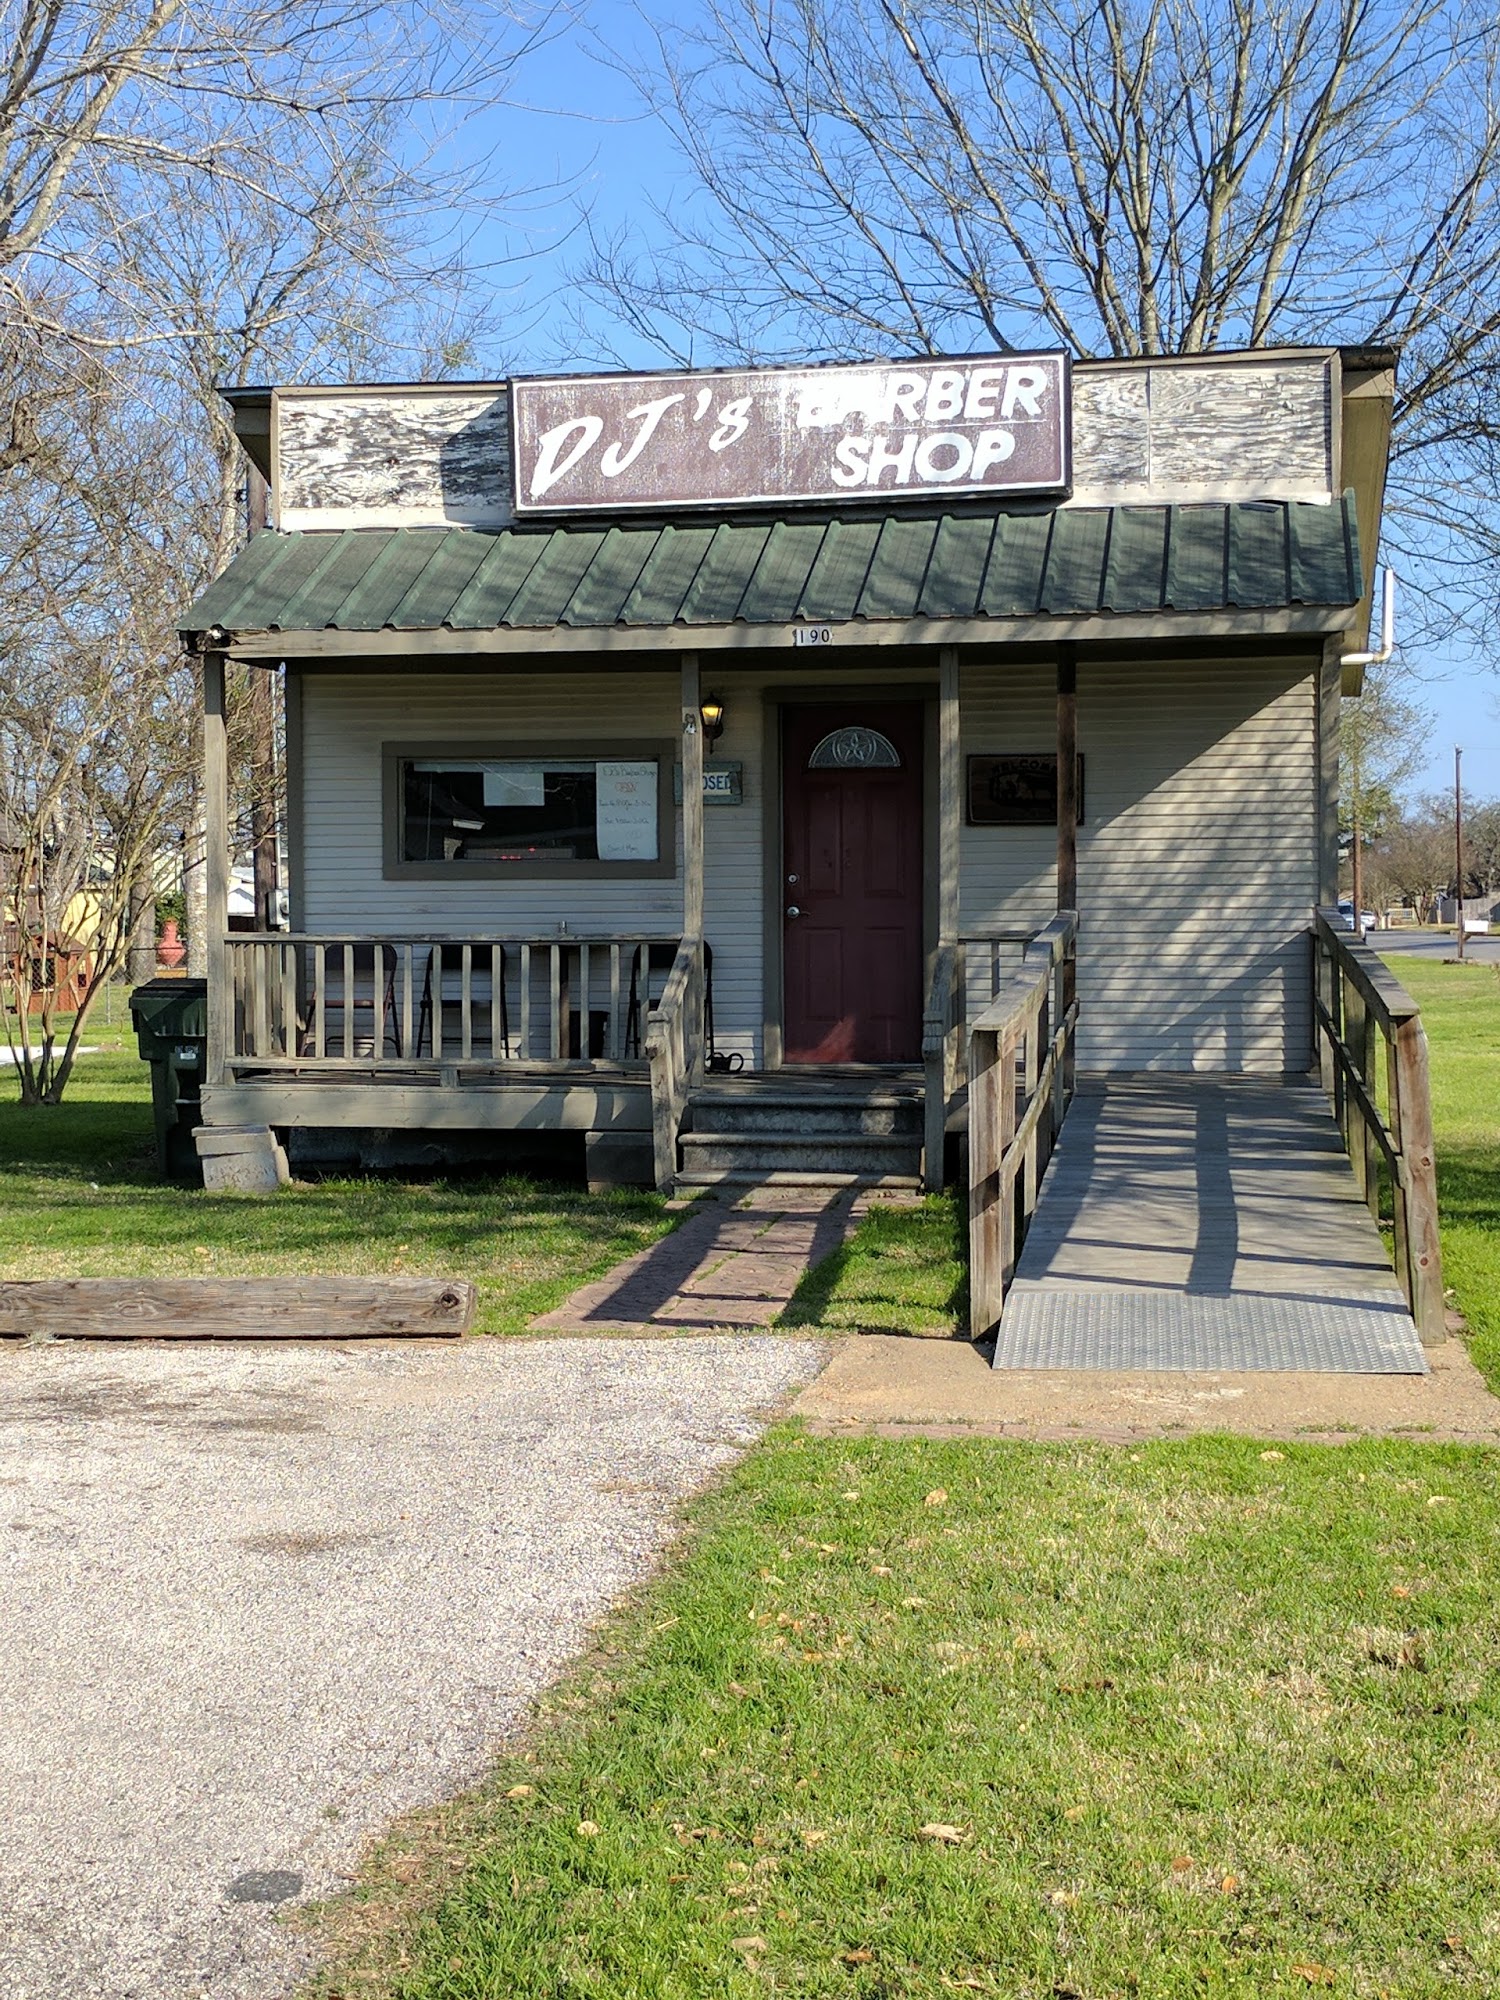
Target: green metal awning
x: 970, y: 564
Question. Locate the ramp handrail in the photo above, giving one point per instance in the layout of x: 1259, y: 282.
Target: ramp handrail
x: 675, y: 1048
x: 1021, y: 1075
x: 1356, y: 997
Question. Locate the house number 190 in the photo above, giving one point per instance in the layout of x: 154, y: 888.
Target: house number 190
x: 812, y: 635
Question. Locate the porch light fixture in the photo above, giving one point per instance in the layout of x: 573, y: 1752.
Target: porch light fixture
x: 712, y: 711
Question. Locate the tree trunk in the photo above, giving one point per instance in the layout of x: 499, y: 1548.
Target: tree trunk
x: 140, y: 962
x: 195, y: 887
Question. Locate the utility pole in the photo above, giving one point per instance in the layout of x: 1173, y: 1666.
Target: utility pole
x: 1458, y: 842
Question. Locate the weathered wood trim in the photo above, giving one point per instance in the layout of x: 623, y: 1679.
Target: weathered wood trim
x: 1377, y: 986
x: 464, y: 1106
x: 1424, y: 1256
x: 504, y: 641
x: 1366, y: 407
x: 235, y: 1308
x: 692, y: 798
x: 216, y: 860
x: 1356, y: 998
x: 773, y: 881
x: 366, y: 458
x: 1257, y: 425
x: 1020, y: 1086
x: 1067, y: 778
x: 950, y: 794
x: 296, y: 835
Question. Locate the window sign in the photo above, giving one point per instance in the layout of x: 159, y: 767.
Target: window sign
x: 515, y: 785
x: 625, y: 806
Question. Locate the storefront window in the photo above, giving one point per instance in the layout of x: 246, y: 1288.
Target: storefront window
x: 549, y: 812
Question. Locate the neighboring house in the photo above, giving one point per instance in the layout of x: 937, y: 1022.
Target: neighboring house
x: 637, y: 724
x: 53, y: 969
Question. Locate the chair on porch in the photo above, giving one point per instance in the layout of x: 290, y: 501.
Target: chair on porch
x: 350, y: 1010
x: 453, y: 991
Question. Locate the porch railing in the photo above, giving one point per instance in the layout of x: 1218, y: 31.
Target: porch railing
x: 675, y: 1046
x: 1383, y: 1109
x: 299, y: 1001
x: 1021, y: 1075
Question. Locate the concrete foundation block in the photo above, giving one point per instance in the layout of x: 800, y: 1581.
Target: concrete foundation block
x: 618, y: 1159
x: 241, y: 1159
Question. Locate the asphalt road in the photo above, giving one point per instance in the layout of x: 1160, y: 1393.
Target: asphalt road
x: 1434, y: 944
x: 256, y: 1601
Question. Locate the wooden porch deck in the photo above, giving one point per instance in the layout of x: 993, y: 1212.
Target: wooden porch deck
x: 1204, y: 1222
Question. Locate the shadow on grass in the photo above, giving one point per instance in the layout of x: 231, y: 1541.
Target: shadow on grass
x: 904, y: 1270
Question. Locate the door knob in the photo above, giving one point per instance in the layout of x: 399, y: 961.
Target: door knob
x: 792, y: 910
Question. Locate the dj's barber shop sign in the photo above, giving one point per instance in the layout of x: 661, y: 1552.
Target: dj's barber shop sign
x: 989, y: 424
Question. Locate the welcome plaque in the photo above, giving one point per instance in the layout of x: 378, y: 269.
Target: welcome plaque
x: 1016, y: 790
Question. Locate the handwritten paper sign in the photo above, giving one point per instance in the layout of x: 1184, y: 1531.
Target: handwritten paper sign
x: 625, y: 823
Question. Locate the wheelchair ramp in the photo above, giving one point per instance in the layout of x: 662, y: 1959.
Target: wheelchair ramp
x: 1213, y: 1223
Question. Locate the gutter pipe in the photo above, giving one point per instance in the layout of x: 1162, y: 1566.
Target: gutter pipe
x: 1387, y: 628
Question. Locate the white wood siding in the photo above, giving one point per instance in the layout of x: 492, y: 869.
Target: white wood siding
x: 1198, y: 864
x: 347, y: 718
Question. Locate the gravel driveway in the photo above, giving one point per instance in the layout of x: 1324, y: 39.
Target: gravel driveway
x: 254, y: 1601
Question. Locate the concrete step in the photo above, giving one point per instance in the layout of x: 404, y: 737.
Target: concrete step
x: 761, y: 1153
x: 883, y: 1114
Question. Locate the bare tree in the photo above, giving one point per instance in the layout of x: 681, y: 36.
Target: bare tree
x: 1383, y: 739
x: 93, y: 694
x: 190, y: 198
x: 104, y: 101
x: 1127, y: 177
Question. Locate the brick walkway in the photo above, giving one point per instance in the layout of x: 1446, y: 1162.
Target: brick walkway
x: 727, y: 1264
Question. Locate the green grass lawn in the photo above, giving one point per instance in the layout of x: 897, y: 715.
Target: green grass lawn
x: 905, y: 1269
x: 1190, y: 1719
x: 1461, y: 1012
x: 79, y: 1197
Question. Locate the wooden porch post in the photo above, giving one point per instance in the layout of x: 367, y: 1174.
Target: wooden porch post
x: 1067, y: 778
x: 692, y: 799
x: 216, y: 863
x: 261, y: 695
x: 944, y: 1014
x: 950, y: 805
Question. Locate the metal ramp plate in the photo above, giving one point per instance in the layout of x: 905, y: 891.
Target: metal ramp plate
x: 1180, y: 1331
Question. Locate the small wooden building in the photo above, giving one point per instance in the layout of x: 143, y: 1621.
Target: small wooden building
x: 681, y: 761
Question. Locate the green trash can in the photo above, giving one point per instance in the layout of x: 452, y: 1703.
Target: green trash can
x: 171, y: 1028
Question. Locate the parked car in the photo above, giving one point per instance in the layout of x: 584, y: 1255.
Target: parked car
x: 1367, y: 920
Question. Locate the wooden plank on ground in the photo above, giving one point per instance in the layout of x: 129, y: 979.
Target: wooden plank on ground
x: 234, y: 1308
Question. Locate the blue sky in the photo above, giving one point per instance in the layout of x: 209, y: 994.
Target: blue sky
x: 571, y: 122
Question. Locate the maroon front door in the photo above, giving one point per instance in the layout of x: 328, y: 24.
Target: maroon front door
x: 852, y: 882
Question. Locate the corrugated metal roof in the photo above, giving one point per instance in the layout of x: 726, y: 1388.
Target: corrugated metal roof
x: 1071, y: 562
